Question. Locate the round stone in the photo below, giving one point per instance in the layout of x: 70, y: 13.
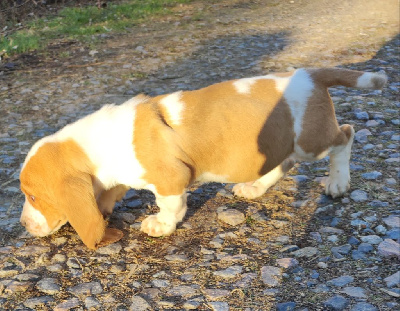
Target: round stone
x: 359, y: 196
x: 231, y: 217
x: 363, y: 306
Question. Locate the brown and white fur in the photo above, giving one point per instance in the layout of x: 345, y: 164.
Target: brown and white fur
x: 246, y: 131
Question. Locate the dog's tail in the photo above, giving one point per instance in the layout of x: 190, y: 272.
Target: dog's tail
x: 350, y: 78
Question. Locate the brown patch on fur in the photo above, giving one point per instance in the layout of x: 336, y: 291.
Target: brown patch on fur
x: 320, y: 129
x: 65, y: 193
x: 326, y: 77
x: 230, y: 138
x: 157, y: 148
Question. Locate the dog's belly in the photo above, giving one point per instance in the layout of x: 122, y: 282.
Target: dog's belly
x: 243, y: 163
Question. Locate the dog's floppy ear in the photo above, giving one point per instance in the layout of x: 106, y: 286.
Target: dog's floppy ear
x: 79, y: 204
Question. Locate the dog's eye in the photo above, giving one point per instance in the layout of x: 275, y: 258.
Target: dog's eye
x: 32, y: 197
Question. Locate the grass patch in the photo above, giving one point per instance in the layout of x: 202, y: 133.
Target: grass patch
x: 82, y: 23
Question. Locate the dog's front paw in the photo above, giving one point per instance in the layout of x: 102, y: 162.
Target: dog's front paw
x: 337, y: 187
x: 247, y: 190
x: 154, y: 227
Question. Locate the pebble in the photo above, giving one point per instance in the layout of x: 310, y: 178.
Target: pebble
x: 359, y: 223
x: 306, y: 252
x: 160, y: 283
x: 216, y: 242
x: 219, y: 306
x: 321, y: 288
x: 182, y: 290
x: 380, y: 229
x: 231, y: 216
x: 139, y: 304
x: 393, y: 280
x: 361, y: 136
x: 300, y: 178
x: 343, y: 249
x: 392, y: 221
x: 395, y: 137
x: 111, y: 249
x: 331, y: 230
x: 372, y: 175
x: 216, y: 294
x: 71, y: 262
x: 284, y: 239
x: 394, y: 292
x: 48, y: 286
x: 368, y: 147
x: 393, y: 234
x: 362, y: 115
x: 371, y: 239
x: 127, y: 217
x: 356, y: 292
x: 289, y: 248
x: 191, y: 305
x: 357, y: 255
x: 341, y: 281
x: 27, y: 277
x: 389, y: 248
x: 8, y: 273
x: 316, y: 236
x: 91, y: 302
x: 246, y: 280
x: 229, y: 273
x: 287, y: 263
x: 32, y: 250
x: 378, y: 203
x: 363, y: 306
x: 373, y: 123
x: 271, y: 275
x: 322, y: 265
x: 359, y: 196
x: 67, y: 304
x: 365, y: 248
x: 353, y: 241
x: 86, y: 289
x: 176, y: 257
x: 336, y: 303
x: 285, y: 306
x: 32, y: 303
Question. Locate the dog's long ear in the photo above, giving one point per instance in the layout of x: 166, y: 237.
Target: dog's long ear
x: 79, y: 204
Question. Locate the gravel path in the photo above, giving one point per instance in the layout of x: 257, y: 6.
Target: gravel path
x: 292, y: 249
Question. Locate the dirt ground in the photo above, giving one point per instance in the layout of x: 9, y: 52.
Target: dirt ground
x: 199, y: 44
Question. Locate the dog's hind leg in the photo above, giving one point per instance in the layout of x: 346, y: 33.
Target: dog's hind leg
x: 257, y: 188
x: 339, y: 176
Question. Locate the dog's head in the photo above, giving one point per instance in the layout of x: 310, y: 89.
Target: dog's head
x: 57, y: 182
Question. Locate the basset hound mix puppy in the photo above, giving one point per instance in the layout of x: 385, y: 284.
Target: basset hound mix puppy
x: 247, y: 131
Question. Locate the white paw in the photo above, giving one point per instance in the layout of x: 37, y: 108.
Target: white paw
x: 336, y: 187
x: 247, y: 190
x: 154, y: 227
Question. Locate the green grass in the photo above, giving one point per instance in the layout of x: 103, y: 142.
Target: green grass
x: 82, y: 23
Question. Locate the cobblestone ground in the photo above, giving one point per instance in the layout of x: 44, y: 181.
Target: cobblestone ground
x: 292, y: 249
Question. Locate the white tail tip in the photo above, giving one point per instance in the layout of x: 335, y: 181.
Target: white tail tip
x: 371, y: 80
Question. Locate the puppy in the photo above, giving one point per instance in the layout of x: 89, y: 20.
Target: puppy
x: 246, y: 131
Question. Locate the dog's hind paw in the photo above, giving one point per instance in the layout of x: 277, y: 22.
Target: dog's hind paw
x: 247, y: 190
x: 337, y: 187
